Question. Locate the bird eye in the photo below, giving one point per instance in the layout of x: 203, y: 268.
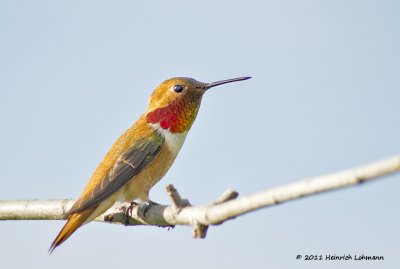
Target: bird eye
x: 178, y: 88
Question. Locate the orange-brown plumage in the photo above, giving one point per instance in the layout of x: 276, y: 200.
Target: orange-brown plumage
x: 142, y: 155
x: 140, y: 130
x: 74, y: 222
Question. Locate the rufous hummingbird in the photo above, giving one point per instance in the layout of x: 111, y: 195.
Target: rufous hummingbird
x: 143, y: 154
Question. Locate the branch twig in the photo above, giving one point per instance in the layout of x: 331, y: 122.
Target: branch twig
x: 200, y: 217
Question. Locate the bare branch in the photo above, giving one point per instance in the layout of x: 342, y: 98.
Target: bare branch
x: 176, y: 199
x: 200, y: 217
x: 34, y: 209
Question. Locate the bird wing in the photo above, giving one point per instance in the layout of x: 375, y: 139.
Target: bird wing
x: 127, y: 166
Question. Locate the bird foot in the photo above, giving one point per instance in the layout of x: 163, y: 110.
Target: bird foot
x: 144, y: 208
x: 129, y: 209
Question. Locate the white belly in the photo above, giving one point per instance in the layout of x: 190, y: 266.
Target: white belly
x: 174, y: 141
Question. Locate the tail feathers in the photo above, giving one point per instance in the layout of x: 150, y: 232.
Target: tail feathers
x: 73, y: 223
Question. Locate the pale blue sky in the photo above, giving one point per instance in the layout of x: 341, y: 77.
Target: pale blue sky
x: 324, y: 97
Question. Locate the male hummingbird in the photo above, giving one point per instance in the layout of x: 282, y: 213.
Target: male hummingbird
x: 143, y: 154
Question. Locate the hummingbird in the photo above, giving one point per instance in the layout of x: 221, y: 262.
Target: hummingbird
x: 143, y: 154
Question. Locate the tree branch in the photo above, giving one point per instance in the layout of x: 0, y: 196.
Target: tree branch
x: 181, y: 212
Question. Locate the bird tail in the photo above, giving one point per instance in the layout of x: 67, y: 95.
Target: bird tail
x: 74, y: 222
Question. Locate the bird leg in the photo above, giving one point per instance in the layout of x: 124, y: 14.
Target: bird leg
x: 129, y: 209
x: 144, y: 207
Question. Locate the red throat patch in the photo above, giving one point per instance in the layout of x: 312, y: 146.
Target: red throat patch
x: 177, y: 117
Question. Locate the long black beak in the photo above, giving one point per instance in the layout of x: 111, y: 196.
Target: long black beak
x: 217, y: 83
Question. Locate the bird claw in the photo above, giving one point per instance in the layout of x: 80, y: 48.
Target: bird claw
x: 152, y: 203
x: 143, y: 208
x: 128, y: 211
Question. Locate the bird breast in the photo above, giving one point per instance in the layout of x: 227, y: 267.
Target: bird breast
x: 174, y: 141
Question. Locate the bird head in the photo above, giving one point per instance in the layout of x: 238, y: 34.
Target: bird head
x: 175, y: 103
